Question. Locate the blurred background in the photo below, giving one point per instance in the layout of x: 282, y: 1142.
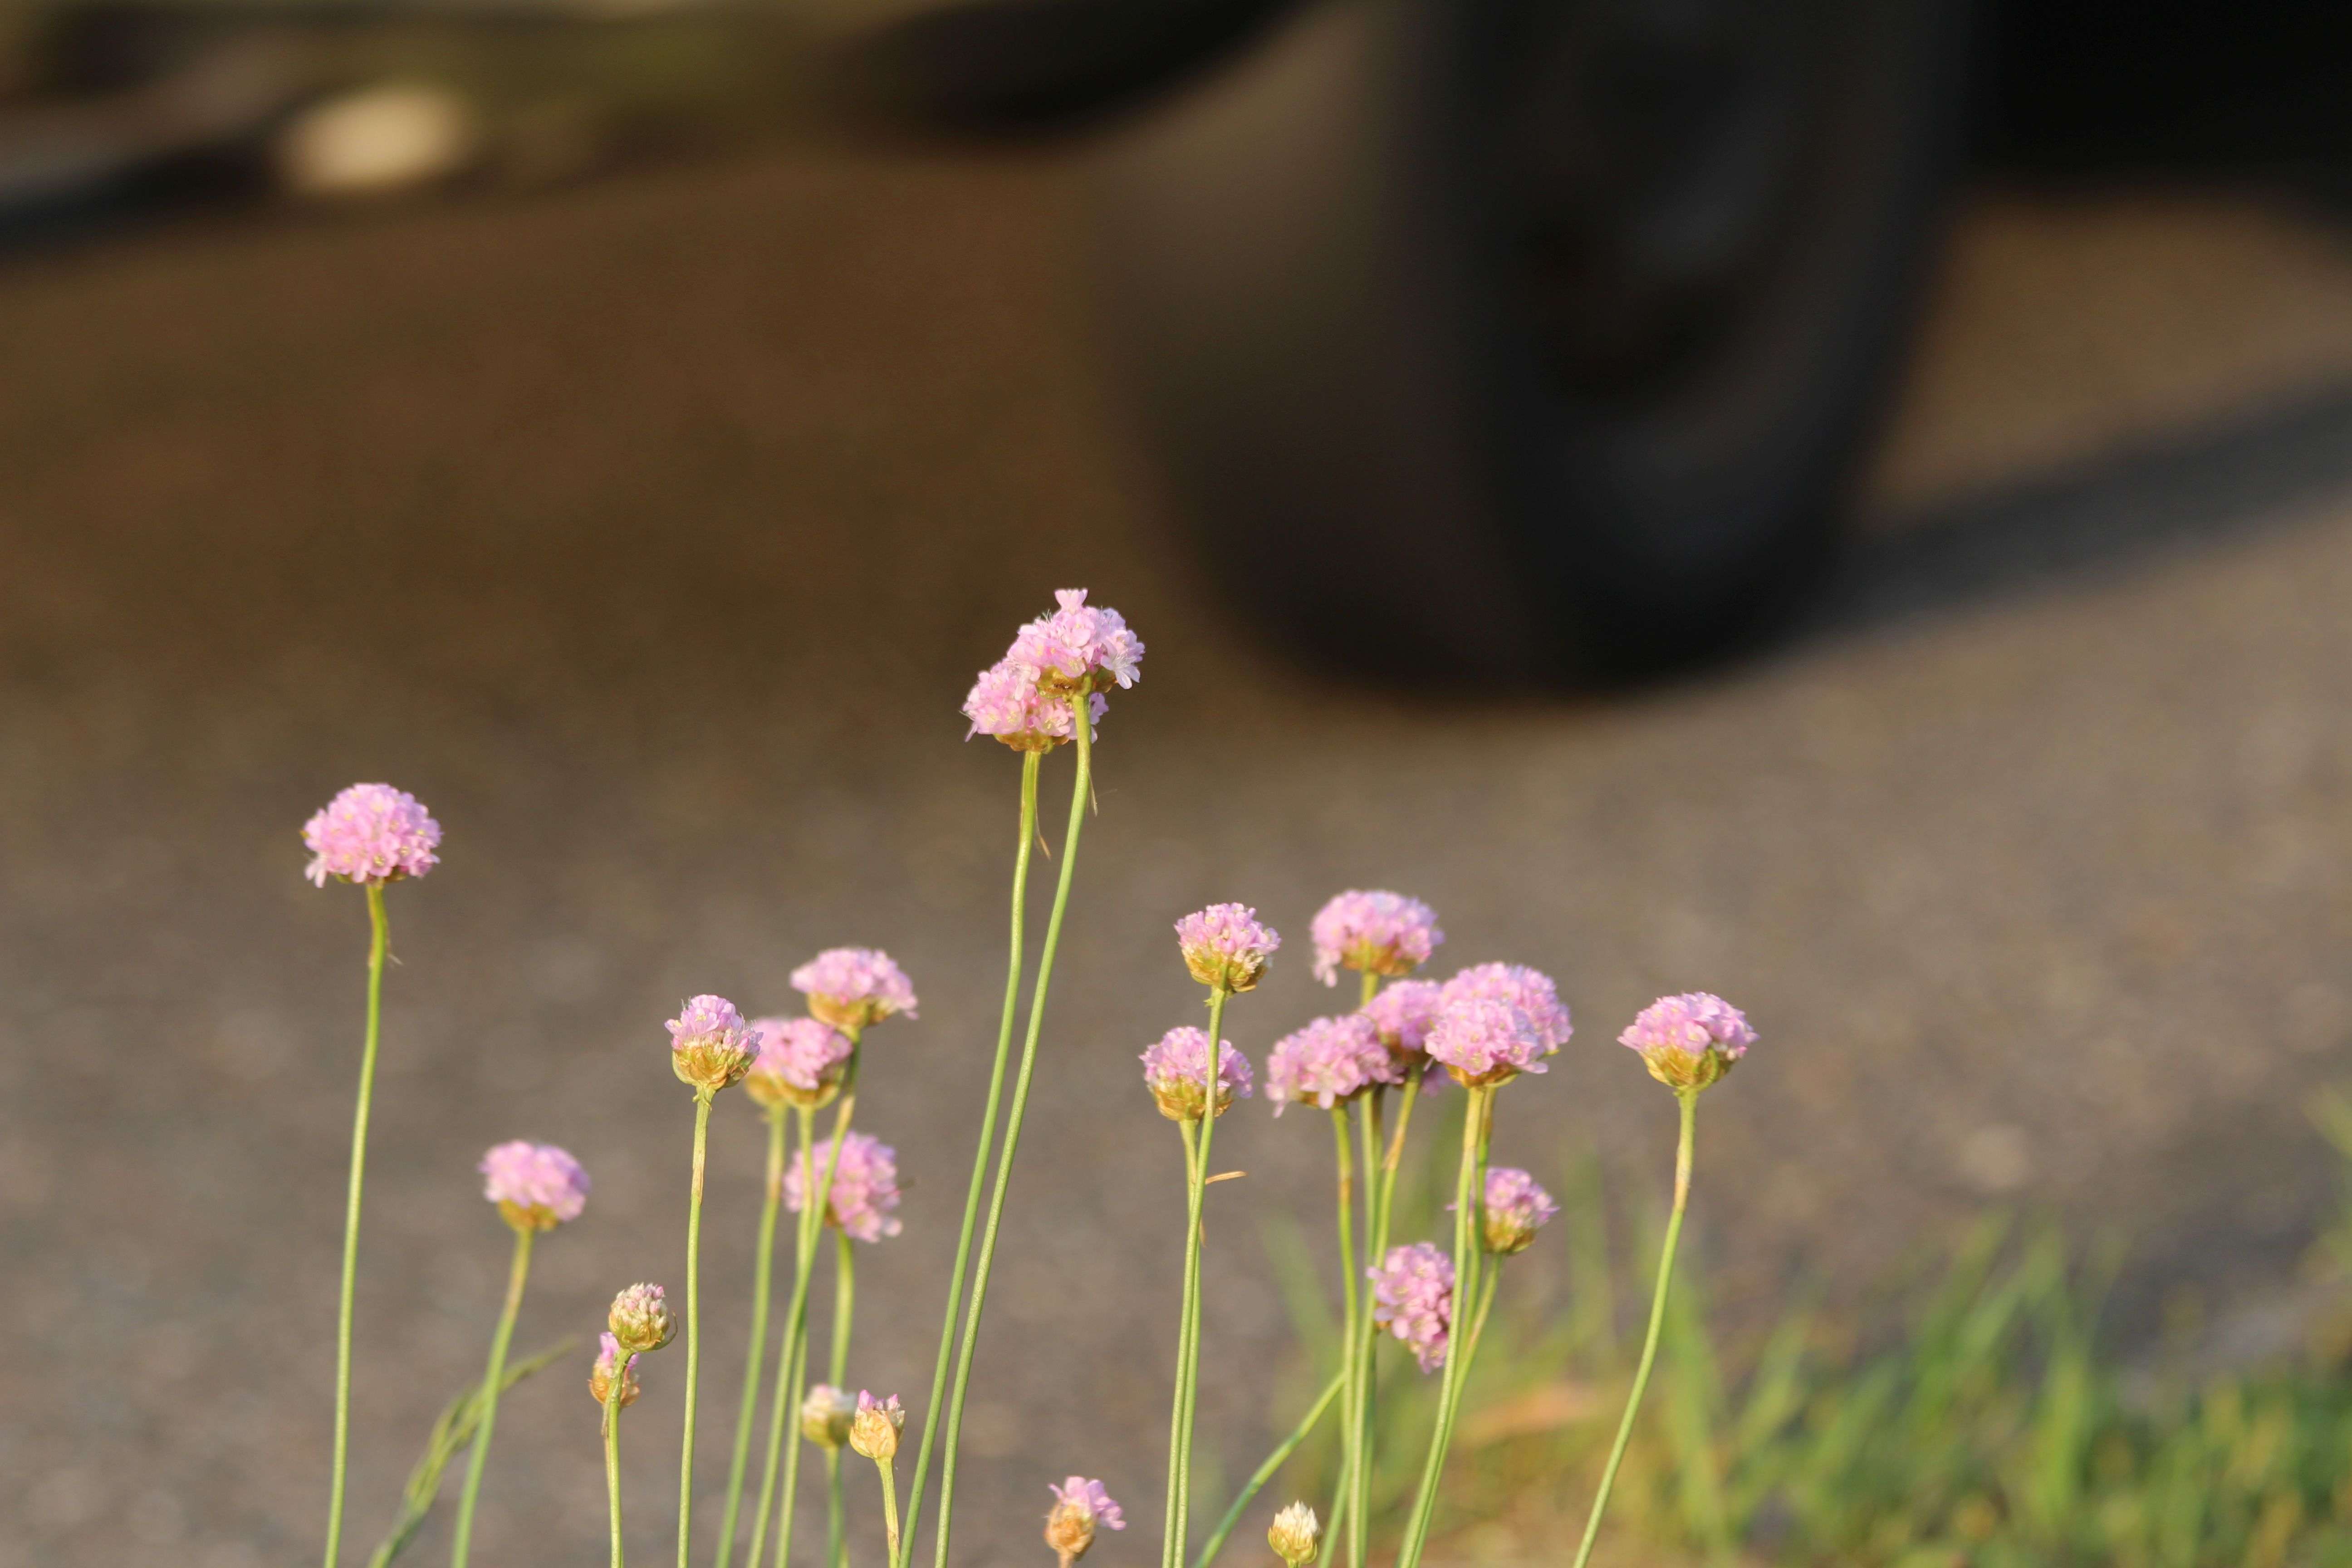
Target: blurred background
x: 1847, y: 505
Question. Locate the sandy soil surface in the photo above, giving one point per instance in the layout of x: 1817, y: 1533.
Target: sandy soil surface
x: 651, y: 532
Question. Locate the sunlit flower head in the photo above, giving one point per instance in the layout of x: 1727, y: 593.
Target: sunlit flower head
x: 1373, y: 932
x: 1079, y: 648
x: 371, y: 833
x: 864, y: 1185
x: 853, y: 988
x: 801, y: 1062
x: 873, y: 1428
x: 641, y: 1319
x: 1329, y: 1060
x: 1226, y: 946
x: 1689, y: 1041
x: 1402, y: 1014
x: 1295, y: 1535
x: 1174, y: 1066
x: 1413, y: 1297
x: 1006, y: 703
x: 1483, y: 1042
x: 536, y: 1186
x: 710, y: 1046
x: 1080, y: 1508
x: 1516, y: 1208
x: 1530, y: 990
x: 612, y: 1361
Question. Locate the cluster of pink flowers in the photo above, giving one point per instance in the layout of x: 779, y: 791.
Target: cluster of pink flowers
x: 1402, y: 1014
x: 853, y: 988
x: 1174, y: 1066
x: 1483, y: 1042
x: 800, y: 1061
x: 1091, y: 1501
x: 1226, y: 946
x: 864, y: 1186
x: 1413, y: 1297
x: 612, y: 1362
x: 710, y: 1046
x: 1530, y: 990
x: 1689, y: 1041
x: 1329, y: 1060
x: 1077, y: 650
x: 534, y: 1185
x: 1373, y: 932
x: 371, y: 833
x: 1516, y: 1207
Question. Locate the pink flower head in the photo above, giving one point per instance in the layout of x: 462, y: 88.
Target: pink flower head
x: 1226, y: 946
x: 1174, y: 1071
x: 1077, y: 648
x: 874, y: 1426
x: 1080, y: 1507
x: 1005, y: 702
x: 536, y: 1186
x: 854, y: 987
x: 1413, y: 1297
x: 1516, y: 1208
x: 801, y: 1062
x: 1689, y: 1041
x: 1403, y: 1013
x: 1376, y: 933
x: 371, y: 833
x: 1329, y: 1060
x: 710, y: 1046
x: 1483, y: 1042
x: 1530, y: 990
x: 613, y: 1363
x: 864, y: 1186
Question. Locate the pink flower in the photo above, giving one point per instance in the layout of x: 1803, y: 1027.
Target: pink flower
x: 874, y: 1426
x: 613, y: 1361
x: 1516, y: 1208
x: 1529, y: 990
x: 853, y: 988
x: 1079, y: 648
x: 1327, y: 1061
x: 1403, y: 1013
x: 1376, y: 933
x: 1080, y: 1507
x: 1005, y: 702
x: 864, y: 1186
x: 800, y: 1061
x: 371, y: 833
x: 536, y: 1185
x: 1689, y: 1041
x: 1174, y: 1067
x: 1483, y: 1042
x: 711, y: 1047
x: 1226, y: 946
x: 1413, y: 1297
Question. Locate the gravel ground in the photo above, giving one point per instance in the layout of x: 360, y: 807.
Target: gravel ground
x: 650, y: 532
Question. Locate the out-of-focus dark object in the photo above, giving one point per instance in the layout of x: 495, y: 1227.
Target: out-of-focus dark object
x: 1493, y: 336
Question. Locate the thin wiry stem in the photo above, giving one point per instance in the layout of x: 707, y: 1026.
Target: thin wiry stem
x: 1188, y: 1374
x: 492, y: 1381
x: 763, y: 1270
x: 612, y: 1450
x: 1360, y: 1497
x: 702, y: 1099
x: 1191, y: 1134
x: 1682, y: 1155
x: 379, y: 939
x: 1468, y: 1231
x: 845, y: 1308
x: 812, y: 1217
x: 1010, y: 1016
x: 1351, y: 1313
x: 1081, y: 796
x: 1265, y: 1472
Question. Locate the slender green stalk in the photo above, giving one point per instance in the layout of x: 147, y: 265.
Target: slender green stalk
x: 1682, y: 1153
x: 890, y: 1506
x: 702, y: 1099
x: 379, y: 938
x: 492, y: 1381
x: 1081, y: 795
x: 1360, y: 1498
x: 1265, y: 1472
x: 1007, y: 1020
x: 845, y: 1306
x: 612, y: 1451
x: 1468, y: 1235
x: 763, y: 1270
x: 1168, y: 1548
x: 1188, y: 1374
x: 1351, y: 1314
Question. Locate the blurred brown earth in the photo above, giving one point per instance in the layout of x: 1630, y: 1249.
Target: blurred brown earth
x: 651, y: 531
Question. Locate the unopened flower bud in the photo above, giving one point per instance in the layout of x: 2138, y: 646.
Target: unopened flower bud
x: 614, y: 1362
x: 711, y: 1047
x: 1080, y: 1508
x: 874, y: 1429
x: 1226, y: 947
x: 1689, y: 1041
x: 640, y: 1318
x: 825, y: 1415
x: 1295, y: 1535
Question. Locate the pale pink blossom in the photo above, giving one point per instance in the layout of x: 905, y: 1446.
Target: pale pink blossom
x: 1373, y: 932
x: 1329, y: 1060
x: 1482, y: 1042
x: 1530, y: 991
x: 1226, y: 946
x: 534, y: 1183
x: 1174, y: 1066
x: 1078, y: 646
x: 855, y: 987
x: 1516, y: 1208
x: 864, y: 1186
x: 1402, y: 1013
x: 1080, y: 1508
x: 1413, y: 1297
x: 1689, y: 1041
x: 710, y: 1046
x: 1006, y: 703
x: 613, y: 1361
x: 371, y: 833
x: 800, y: 1061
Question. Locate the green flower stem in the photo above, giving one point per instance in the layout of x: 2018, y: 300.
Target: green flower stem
x: 1168, y: 1549
x: 1005, y: 1023
x: 890, y: 1506
x: 763, y: 1270
x: 379, y: 939
x: 612, y: 1451
x: 1351, y: 1316
x: 1189, y: 1374
x: 1265, y: 1472
x: 702, y: 1099
x: 781, y: 1403
x: 1469, y: 1251
x: 845, y: 1306
x: 1081, y: 795
x: 1359, y: 1504
x: 1683, y: 1154
x: 492, y: 1381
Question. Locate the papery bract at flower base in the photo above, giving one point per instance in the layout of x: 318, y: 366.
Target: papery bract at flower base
x: 612, y: 1358
x: 1402, y: 1016
x: 801, y: 1062
x: 825, y: 1415
x: 854, y: 987
x: 1080, y: 1508
x: 1689, y: 1041
x: 536, y: 1186
x: 1079, y: 648
x: 1006, y: 703
x: 1413, y: 1297
x: 371, y: 833
x: 641, y: 1319
x: 1174, y: 1066
x: 874, y: 1429
x: 1226, y: 946
x: 1483, y: 1042
x: 864, y: 1185
x: 1516, y: 1208
x: 1374, y: 934
x: 1530, y: 990
x: 1295, y: 1535
x: 710, y: 1046
x: 1329, y: 1060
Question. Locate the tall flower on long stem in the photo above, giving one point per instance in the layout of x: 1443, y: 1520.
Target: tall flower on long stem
x: 1081, y: 1507
x: 1687, y: 1042
x: 1069, y: 658
x: 371, y: 834
x: 874, y: 1432
x: 1226, y: 948
x: 638, y: 1324
x: 536, y: 1186
x: 710, y: 1049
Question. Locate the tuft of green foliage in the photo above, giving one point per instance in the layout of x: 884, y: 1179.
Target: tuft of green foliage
x: 452, y: 1434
